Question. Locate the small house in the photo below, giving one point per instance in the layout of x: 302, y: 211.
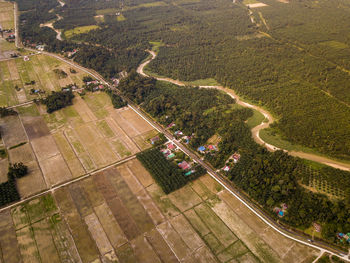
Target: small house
x: 189, y: 173
x: 170, y: 156
x: 171, y: 146
x: 212, y: 147
x: 201, y: 149
x: 226, y: 168
x: 154, y: 140
x: 317, y: 227
x: 184, y: 165
x: 171, y: 125
x: 26, y: 58
x: 178, y: 133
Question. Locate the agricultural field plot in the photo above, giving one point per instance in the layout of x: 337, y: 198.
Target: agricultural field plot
x: 92, y: 134
x: 6, y: 22
x: 121, y: 215
x: 19, y: 78
x: 20, y: 150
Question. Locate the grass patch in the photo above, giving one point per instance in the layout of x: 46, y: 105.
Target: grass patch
x: 247, y: 2
x: 147, y: 5
x: 121, y: 17
x: 256, y: 119
x: 334, y: 44
x: 271, y: 137
x: 30, y: 110
x: 121, y: 149
x: 105, y: 129
x: 3, y: 153
x: 203, y: 82
x: 17, y: 145
x: 107, y: 11
x: 79, y: 30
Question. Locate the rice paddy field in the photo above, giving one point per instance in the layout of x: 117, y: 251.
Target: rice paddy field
x: 16, y: 76
x: 68, y: 143
x: 71, y: 142
x: 6, y: 22
x: 121, y: 215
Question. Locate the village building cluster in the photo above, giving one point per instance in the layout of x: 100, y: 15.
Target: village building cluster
x: 344, y: 237
x: 172, y: 153
x: 280, y: 211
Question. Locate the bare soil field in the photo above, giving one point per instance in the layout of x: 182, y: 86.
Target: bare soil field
x: 121, y: 214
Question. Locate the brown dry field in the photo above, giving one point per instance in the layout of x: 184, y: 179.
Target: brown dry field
x: 12, y: 131
x: 122, y: 214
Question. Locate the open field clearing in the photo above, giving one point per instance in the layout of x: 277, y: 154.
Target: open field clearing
x: 40, y: 69
x: 121, y: 214
x: 79, y: 30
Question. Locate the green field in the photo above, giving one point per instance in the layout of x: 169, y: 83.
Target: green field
x: 79, y: 30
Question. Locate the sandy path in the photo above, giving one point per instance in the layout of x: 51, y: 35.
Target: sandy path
x: 256, y: 130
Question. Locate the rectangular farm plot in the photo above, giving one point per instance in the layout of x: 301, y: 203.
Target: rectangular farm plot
x: 110, y: 225
x: 12, y: 131
x: 68, y: 154
x: 219, y: 229
x: 184, y: 198
x: 120, y: 212
x: 174, y: 241
x: 90, y: 188
x: 27, y: 245
x: 46, y: 246
x: 136, y: 210
x: 141, y: 194
x: 187, y: 233
x: 136, y: 121
x: 85, y: 245
x: 34, y: 181
x: 161, y: 247
x: 245, y: 233
x: 143, y: 250
x: 8, y: 239
x: 98, y: 148
x: 99, y: 235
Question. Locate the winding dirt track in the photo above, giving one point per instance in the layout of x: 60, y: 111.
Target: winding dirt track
x: 256, y: 129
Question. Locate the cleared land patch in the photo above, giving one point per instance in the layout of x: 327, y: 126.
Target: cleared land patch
x: 79, y: 30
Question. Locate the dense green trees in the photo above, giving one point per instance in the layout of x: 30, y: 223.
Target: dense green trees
x: 166, y: 173
x: 117, y: 101
x: 17, y: 170
x: 6, y: 112
x: 58, y: 100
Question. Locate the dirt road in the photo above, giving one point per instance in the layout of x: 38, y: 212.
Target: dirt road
x: 256, y: 130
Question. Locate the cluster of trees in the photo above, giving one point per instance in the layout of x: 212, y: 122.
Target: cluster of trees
x: 117, y: 101
x: 58, y: 100
x: 61, y: 74
x: 17, y: 170
x: 166, y: 173
x: 6, y: 112
x: 8, y: 190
